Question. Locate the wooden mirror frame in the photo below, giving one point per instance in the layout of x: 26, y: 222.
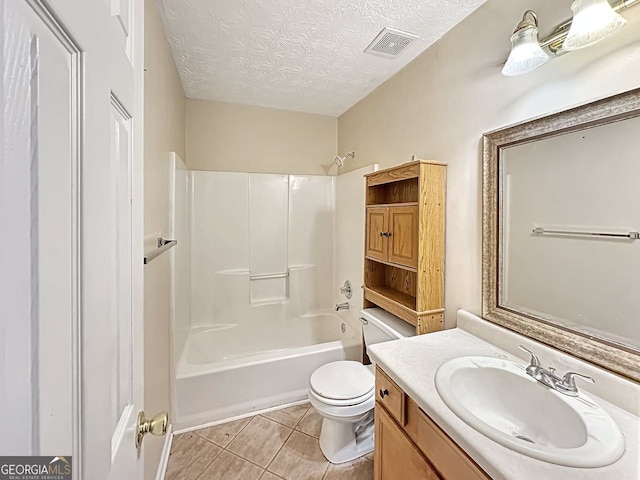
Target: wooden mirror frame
x: 606, y: 353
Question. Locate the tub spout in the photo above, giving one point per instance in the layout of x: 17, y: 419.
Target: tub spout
x: 342, y: 306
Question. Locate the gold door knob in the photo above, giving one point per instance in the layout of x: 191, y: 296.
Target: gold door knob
x: 155, y: 426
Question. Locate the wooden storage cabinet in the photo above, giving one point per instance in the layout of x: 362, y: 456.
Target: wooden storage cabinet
x: 404, y: 243
x: 410, y: 446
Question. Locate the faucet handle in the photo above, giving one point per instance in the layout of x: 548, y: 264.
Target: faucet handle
x: 535, y: 361
x: 568, y: 383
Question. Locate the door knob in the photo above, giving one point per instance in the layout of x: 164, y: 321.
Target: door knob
x: 155, y: 426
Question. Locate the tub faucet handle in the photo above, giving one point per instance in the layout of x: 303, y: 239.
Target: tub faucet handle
x: 346, y: 290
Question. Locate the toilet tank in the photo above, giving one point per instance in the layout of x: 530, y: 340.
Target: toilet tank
x: 379, y: 326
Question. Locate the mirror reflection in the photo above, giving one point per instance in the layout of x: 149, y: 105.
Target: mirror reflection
x: 570, y: 214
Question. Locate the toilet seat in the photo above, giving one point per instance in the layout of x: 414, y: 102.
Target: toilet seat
x: 341, y: 403
x: 342, y: 383
x: 343, y: 413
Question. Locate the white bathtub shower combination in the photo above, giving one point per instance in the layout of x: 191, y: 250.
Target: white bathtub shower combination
x: 273, y: 369
x: 254, y: 289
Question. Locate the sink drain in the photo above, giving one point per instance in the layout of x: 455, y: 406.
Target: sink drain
x: 525, y: 438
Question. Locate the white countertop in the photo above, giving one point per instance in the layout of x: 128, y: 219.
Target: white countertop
x: 412, y: 363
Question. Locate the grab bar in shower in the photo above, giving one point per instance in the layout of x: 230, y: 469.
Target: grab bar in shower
x: 268, y: 276
x: 629, y: 235
x: 163, y: 246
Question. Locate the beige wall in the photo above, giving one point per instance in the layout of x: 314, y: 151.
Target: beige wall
x: 439, y: 106
x: 238, y: 138
x: 163, y: 132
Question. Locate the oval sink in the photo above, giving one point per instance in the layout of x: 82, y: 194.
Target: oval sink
x: 498, y: 399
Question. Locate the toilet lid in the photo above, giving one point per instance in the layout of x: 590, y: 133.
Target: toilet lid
x: 342, y: 380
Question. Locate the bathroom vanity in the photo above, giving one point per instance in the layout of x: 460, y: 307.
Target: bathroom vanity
x: 409, y: 444
x: 419, y: 437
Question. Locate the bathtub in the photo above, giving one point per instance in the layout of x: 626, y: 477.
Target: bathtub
x: 227, y: 370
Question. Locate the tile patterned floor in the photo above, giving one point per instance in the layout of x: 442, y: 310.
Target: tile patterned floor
x: 278, y: 445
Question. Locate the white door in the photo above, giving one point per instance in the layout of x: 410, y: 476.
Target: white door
x: 71, y: 233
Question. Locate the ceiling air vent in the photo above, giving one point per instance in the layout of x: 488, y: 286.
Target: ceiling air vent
x: 390, y: 43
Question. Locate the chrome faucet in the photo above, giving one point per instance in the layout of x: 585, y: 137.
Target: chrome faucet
x: 342, y: 306
x: 565, y: 384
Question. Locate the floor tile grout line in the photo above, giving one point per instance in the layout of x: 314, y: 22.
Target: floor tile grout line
x: 281, y: 447
x: 326, y: 469
x: 294, y: 427
x: 237, y: 434
x: 310, y: 436
x: 245, y: 459
x: 209, y: 464
x: 302, y: 417
x: 283, y: 443
x: 214, y: 443
x: 276, y: 421
x: 220, y: 449
x: 251, y: 462
x: 300, y: 421
x: 264, y: 469
x: 245, y: 426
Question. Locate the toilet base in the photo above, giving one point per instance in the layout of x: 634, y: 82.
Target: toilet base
x: 342, y: 442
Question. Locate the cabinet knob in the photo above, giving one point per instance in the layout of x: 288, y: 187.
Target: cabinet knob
x: 382, y: 234
x: 384, y: 393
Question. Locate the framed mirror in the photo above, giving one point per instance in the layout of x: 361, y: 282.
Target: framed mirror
x: 561, y: 231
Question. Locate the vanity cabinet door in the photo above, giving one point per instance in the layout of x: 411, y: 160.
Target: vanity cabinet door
x: 443, y: 453
x: 396, y: 457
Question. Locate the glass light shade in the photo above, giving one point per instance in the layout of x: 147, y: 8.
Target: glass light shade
x: 526, y: 54
x: 593, y: 20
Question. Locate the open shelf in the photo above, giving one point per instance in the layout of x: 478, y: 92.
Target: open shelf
x: 399, y: 192
x: 403, y: 299
x: 393, y: 302
x: 392, y: 288
x: 390, y: 264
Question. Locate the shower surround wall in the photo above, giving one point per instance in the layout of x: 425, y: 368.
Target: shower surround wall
x: 261, y: 290
x: 249, y: 232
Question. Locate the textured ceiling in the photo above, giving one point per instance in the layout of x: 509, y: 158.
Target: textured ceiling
x: 301, y: 55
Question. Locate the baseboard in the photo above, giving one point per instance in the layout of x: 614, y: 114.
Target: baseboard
x: 185, y: 423
x: 207, y: 424
x: 166, y: 450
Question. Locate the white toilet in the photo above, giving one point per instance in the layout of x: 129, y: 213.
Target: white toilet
x: 343, y: 392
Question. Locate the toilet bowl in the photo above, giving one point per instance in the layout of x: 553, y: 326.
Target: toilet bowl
x: 343, y: 392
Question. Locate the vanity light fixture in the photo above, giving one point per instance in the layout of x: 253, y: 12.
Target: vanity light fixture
x: 593, y: 20
x: 526, y: 54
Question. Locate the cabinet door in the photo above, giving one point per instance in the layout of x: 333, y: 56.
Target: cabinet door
x: 403, y: 242
x: 377, y: 228
x: 396, y: 458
